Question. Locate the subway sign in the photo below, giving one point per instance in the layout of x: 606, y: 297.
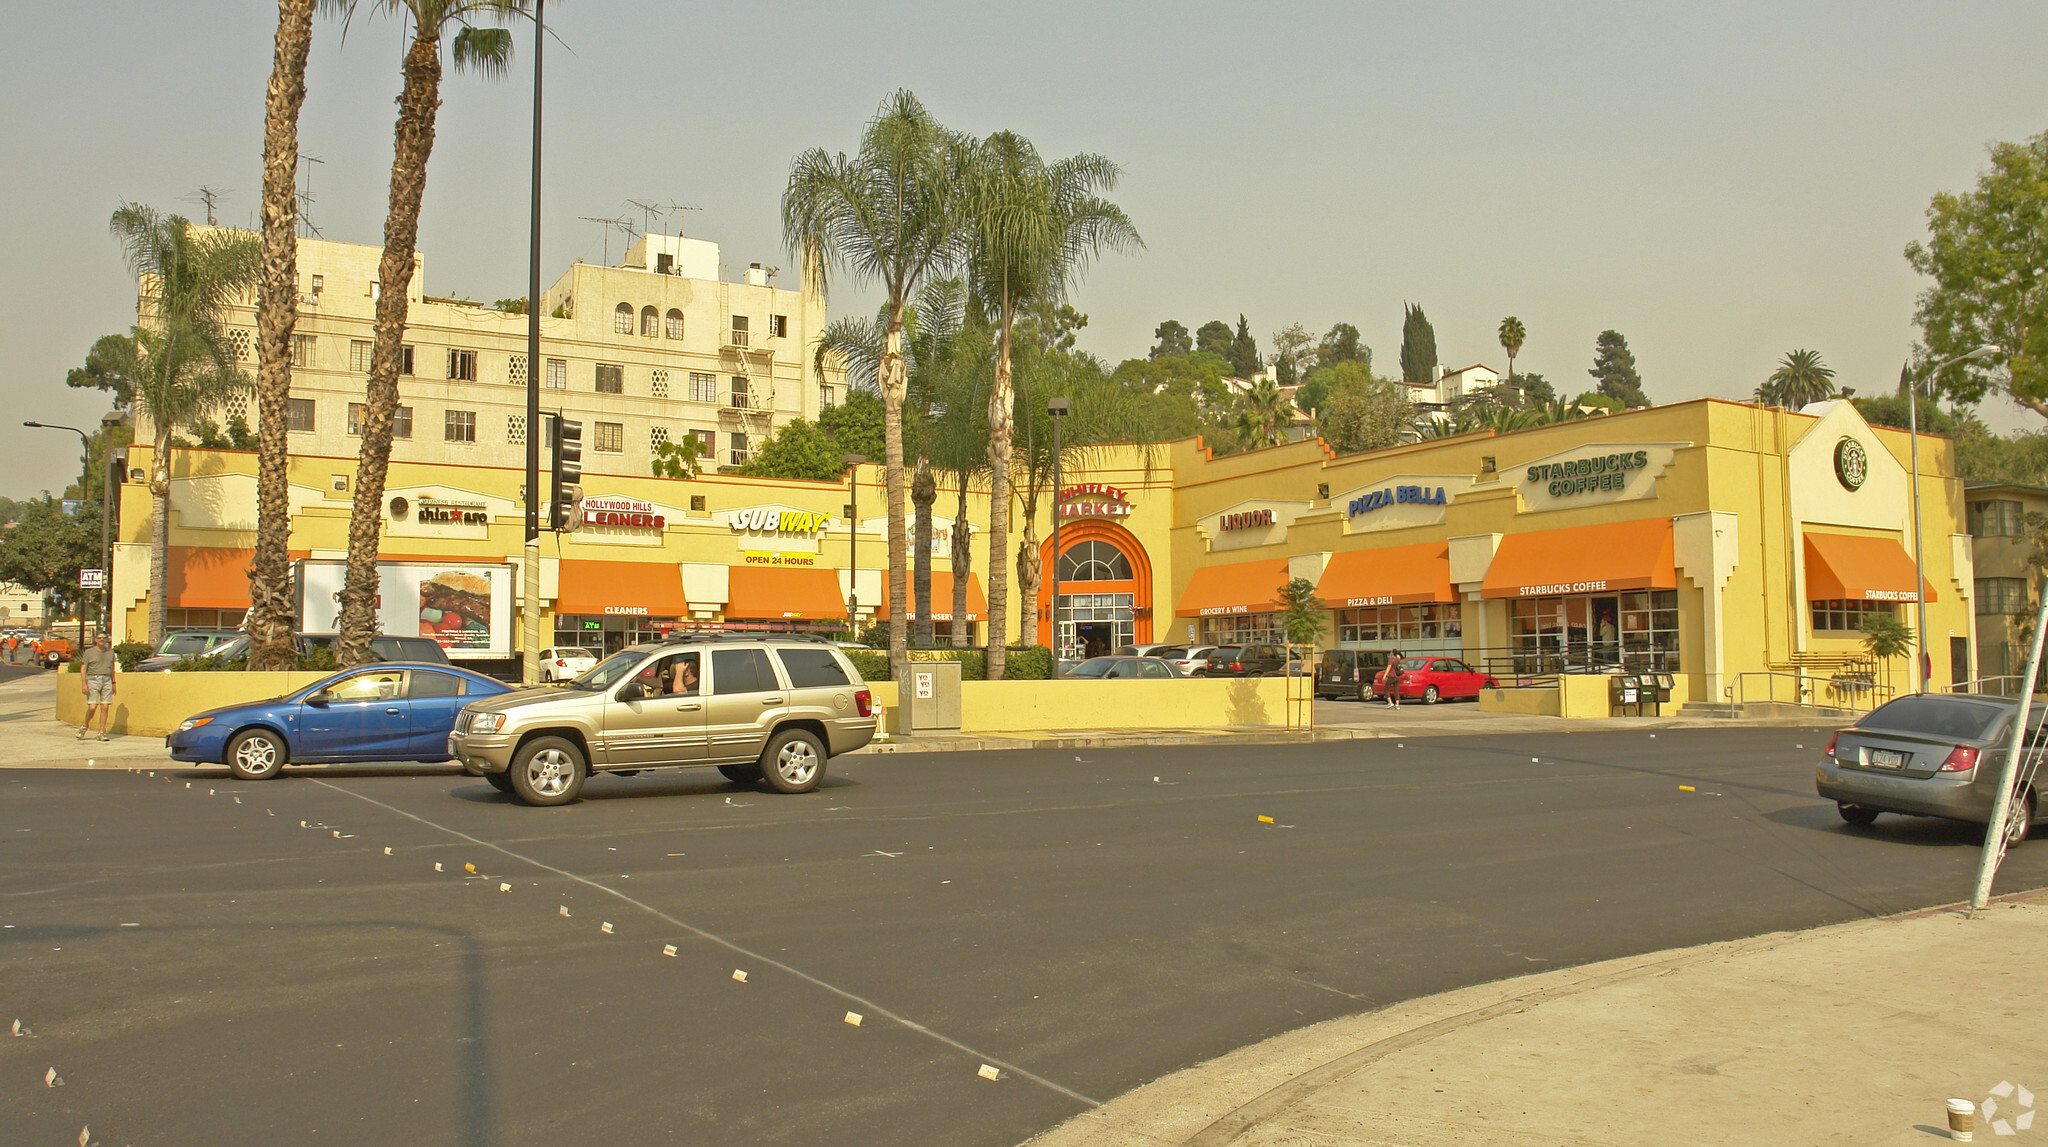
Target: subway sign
x: 776, y: 520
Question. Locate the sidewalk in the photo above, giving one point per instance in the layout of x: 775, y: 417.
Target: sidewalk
x: 1856, y: 1033
x: 34, y: 737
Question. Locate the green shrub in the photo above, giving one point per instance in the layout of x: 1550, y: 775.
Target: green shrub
x: 1033, y: 663
x: 131, y: 654
x: 872, y: 666
x: 973, y: 662
x: 319, y: 659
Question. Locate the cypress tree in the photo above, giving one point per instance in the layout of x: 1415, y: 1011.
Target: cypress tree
x: 1418, y: 348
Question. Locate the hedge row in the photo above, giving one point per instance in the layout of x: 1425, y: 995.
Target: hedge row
x: 1020, y: 663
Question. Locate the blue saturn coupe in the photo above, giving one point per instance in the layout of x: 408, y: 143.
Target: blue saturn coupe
x: 387, y: 712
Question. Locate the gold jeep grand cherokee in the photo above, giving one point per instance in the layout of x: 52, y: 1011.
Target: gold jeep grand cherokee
x: 772, y: 708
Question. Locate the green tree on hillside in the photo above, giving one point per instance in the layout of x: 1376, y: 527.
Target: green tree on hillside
x: 1213, y: 337
x: 1512, y: 335
x: 1615, y: 368
x: 1342, y: 344
x: 1173, y: 340
x: 1801, y: 378
x: 1418, y: 348
x: 1244, y: 351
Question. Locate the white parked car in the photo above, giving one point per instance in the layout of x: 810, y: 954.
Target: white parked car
x: 1192, y: 658
x: 566, y: 662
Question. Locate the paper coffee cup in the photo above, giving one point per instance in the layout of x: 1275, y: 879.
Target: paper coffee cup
x: 1962, y: 1120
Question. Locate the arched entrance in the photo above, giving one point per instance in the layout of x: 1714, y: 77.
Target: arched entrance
x: 1105, y: 590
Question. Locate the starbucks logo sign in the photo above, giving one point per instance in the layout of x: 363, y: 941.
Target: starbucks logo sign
x: 1852, y: 465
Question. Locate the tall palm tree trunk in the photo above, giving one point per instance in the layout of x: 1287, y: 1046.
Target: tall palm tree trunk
x: 159, y: 533
x: 1001, y: 429
x: 413, y: 144
x: 892, y: 382
x: 963, y: 564
x: 924, y: 490
x: 277, y: 312
x: 1029, y: 567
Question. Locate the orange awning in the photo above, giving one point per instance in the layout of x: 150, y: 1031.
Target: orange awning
x: 942, y: 598
x: 197, y: 577
x: 621, y: 589
x: 1243, y: 587
x: 783, y: 592
x: 1846, y: 568
x: 1583, y: 559
x: 1396, y: 575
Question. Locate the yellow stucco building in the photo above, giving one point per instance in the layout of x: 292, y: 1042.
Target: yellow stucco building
x: 1735, y: 547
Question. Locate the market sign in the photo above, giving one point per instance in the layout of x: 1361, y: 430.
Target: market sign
x: 1399, y: 501
x: 1597, y: 472
x: 625, y: 513
x: 1102, y: 502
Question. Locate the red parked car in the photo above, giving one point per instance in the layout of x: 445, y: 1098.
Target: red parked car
x: 1433, y: 679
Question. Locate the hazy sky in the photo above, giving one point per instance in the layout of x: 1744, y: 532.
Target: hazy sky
x: 1720, y: 182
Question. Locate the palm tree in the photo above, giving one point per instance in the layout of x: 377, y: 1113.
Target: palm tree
x: 1800, y: 379
x: 891, y: 214
x: 488, y: 51
x: 177, y: 358
x: 270, y: 624
x: 1035, y: 227
x: 1263, y: 413
x: 1511, y: 336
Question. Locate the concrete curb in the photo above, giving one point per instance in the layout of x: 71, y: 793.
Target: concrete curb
x: 1131, y: 738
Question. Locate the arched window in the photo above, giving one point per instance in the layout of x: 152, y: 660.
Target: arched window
x: 675, y: 324
x: 1094, y: 561
x: 622, y: 319
x: 650, y: 319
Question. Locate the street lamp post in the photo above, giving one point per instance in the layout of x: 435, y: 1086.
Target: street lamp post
x: 1925, y: 663
x: 109, y: 422
x: 852, y: 462
x: 1058, y: 409
x: 84, y: 492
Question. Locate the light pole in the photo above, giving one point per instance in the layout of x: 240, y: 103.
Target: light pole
x: 529, y: 661
x: 853, y: 462
x: 1058, y: 409
x: 1924, y: 663
x: 84, y: 492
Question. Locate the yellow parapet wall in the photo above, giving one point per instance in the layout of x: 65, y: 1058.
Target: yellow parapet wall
x: 1200, y: 703
x: 152, y: 704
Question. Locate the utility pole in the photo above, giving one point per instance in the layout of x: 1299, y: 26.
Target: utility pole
x: 2016, y: 753
x: 529, y: 661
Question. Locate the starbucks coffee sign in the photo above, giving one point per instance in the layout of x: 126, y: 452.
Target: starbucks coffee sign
x: 1595, y: 473
x: 1852, y: 464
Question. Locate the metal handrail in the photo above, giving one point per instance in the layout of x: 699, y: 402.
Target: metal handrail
x: 1851, y: 691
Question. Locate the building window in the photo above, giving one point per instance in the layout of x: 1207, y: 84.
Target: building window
x: 657, y: 383
x: 650, y: 320
x: 608, y: 438
x: 401, y: 420
x: 558, y: 374
x: 706, y: 443
x: 1996, y: 519
x: 302, y: 350
x: 622, y: 319
x: 2001, y: 596
x: 359, y: 355
x: 1636, y: 630
x: 405, y: 360
x: 674, y: 327
x: 1838, y: 616
x: 515, y: 429
x: 738, y: 401
x: 515, y: 370
x: 1392, y: 624
x: 319, y: 285
x: 238, y: 342
x: 657, y: 437
x: 1094, y: 561
x: 696, y: 500
x: 1244, y: 629
x: 778, y: 326
x: 462, y: 365
x: 824, y: 397
x: 739, y: 330
x: 460, y: 426
x: 611, y: 378
x: 739, y: 448
x: 299, y: 415
x: 703, y: 386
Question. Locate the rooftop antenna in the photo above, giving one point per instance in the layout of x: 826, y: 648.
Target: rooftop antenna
x: 211, y: 197
x: 306, y: 227
x: 622, y: 224
x: 647, y: 213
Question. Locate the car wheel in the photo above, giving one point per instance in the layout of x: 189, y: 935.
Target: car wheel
x: 1856, y: 814
x: 1430, y: 696
x: 794, y: 761
x: 499, y: 781
x: 1366, y: 692
x: 547, y: 771
x: 741, y: 774
x: 2018, y: 821
x: 256, y: 755
x: 53, y: 662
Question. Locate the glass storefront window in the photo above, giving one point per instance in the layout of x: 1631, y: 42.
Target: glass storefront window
x: 1633, y: 631
x: 1838, y: 616
x: 1243, y: 628
x: 1393, y: 624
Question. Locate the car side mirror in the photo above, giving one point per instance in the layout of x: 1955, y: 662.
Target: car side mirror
x: 632, y: 691
x: 318, y: 700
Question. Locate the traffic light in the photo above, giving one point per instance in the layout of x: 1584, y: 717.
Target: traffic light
x: 567, y: 494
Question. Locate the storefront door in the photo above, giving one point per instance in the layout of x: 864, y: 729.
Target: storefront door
x: 1592, y: 630
x: 1095, y: 624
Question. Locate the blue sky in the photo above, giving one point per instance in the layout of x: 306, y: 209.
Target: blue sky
x: 1721, y: 183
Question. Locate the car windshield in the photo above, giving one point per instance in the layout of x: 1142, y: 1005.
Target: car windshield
x: 1093, y: 667
x: 609, y: 672
x: 1936, y: 716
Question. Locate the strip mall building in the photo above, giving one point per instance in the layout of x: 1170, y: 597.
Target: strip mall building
x: 1719, y: 542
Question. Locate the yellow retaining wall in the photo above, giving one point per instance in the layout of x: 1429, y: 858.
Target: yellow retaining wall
x: 1529, y: 702
x: 1199, y: 703
x: 1577, y: 695
x: 152, y: 704
x: 1583, y: 695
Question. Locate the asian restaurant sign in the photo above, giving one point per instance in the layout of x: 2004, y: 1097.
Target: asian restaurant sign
x: 1594, y: 473
x: 1094, y: 500
x: 1399, y: 501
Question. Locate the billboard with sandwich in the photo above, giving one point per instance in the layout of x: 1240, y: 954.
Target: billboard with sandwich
x: 466, y: 608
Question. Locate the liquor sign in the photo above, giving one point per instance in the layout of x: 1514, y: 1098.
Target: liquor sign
x: 1245, y: 519
x: 627, y: 513
x: 1249, y: 524
x: 1104, y: 502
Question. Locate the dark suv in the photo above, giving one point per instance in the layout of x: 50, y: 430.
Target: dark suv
x: 1246, y: 661
x: 1350, y: 672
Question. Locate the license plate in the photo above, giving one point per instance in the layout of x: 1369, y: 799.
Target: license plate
x: 1886, y: 758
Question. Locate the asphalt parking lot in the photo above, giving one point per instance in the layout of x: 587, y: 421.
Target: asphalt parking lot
x: 203, y: 961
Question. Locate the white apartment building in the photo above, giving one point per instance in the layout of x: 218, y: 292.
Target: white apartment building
x: 646, y: 352
x: 1451, y: 385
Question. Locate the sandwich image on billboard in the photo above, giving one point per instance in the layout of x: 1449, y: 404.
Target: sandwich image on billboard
x: 468, y: 609
x: 455, y: 609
